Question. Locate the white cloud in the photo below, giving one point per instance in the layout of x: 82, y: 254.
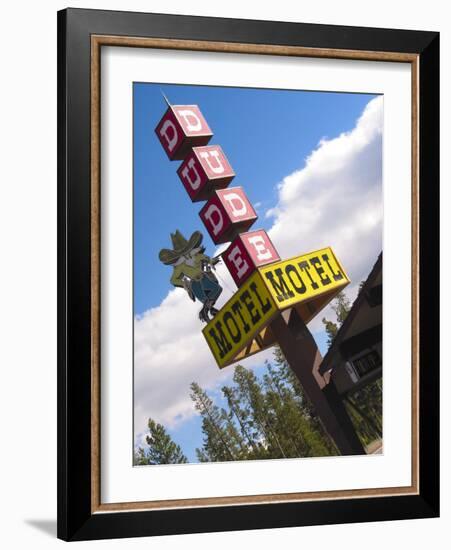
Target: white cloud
x: 170, y: 353
x: 335, y: 200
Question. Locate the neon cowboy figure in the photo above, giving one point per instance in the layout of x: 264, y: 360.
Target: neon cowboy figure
x: 193, y: 271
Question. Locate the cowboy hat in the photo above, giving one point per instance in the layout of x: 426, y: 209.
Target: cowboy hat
x: 180, y: 246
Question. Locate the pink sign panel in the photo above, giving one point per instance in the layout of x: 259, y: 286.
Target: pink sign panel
x: 181, y: 128
x: 247, y: 252
x: 203, y: 170
x: 227, y: 213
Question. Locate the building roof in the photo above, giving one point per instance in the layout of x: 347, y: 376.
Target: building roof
x: 345, y: 328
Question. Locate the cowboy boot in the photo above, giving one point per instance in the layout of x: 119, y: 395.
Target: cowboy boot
x: 203, y: 316
x: 214, y: 311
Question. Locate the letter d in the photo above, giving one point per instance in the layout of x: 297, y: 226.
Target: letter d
x: 168, y: 131
x: 237, y: 204
x: 215, y: 218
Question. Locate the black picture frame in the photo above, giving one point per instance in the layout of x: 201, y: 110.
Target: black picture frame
x: 76, y: 519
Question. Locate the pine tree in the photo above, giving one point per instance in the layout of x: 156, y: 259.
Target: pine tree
x: 262, y: 418
x: 245, y: 423
x: 322, y: 442
x: 286, y: 415
x: 341, y: 307
x: 331, y: 329
x: 161, y: 448
x: 295, y: 413
x: 139, y: 457
x: 221, y: 441
x: 233, y: 435
x: 365, y: 407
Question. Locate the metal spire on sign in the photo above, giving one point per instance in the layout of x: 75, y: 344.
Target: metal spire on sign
x: 165, y: 98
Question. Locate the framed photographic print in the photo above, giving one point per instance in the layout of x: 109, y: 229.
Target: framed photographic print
x: 248, y: 274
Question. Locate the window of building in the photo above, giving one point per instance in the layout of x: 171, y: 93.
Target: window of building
x: 366, y: 363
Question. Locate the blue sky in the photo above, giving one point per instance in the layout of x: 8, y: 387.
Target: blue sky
x: 264, y: 134
x: 267, y: 136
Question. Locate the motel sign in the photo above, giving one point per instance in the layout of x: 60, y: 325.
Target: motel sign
x: 275, y: 298
x: 306, y: 282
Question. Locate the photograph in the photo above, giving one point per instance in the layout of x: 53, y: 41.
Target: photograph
x: 257, y: 274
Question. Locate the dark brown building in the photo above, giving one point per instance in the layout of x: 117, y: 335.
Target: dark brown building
x: 355, y: 357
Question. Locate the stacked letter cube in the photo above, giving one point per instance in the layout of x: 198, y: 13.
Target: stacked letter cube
x: 206, y: 173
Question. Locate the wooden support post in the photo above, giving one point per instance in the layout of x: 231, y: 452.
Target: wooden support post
x: 304, y: 357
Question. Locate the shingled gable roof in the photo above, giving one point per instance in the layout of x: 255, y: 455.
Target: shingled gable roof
x: 341, y: 334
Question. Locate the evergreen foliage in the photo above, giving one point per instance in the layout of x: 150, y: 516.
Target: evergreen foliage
x: 341, y: 307
x: 365, y: 409
x: 221, y: 439
x: 161, y: 449
x: 268, y: 416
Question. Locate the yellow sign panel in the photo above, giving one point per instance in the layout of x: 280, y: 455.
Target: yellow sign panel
x: 306, y: 282
x: 302, y: 278
x: 240, y: 320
